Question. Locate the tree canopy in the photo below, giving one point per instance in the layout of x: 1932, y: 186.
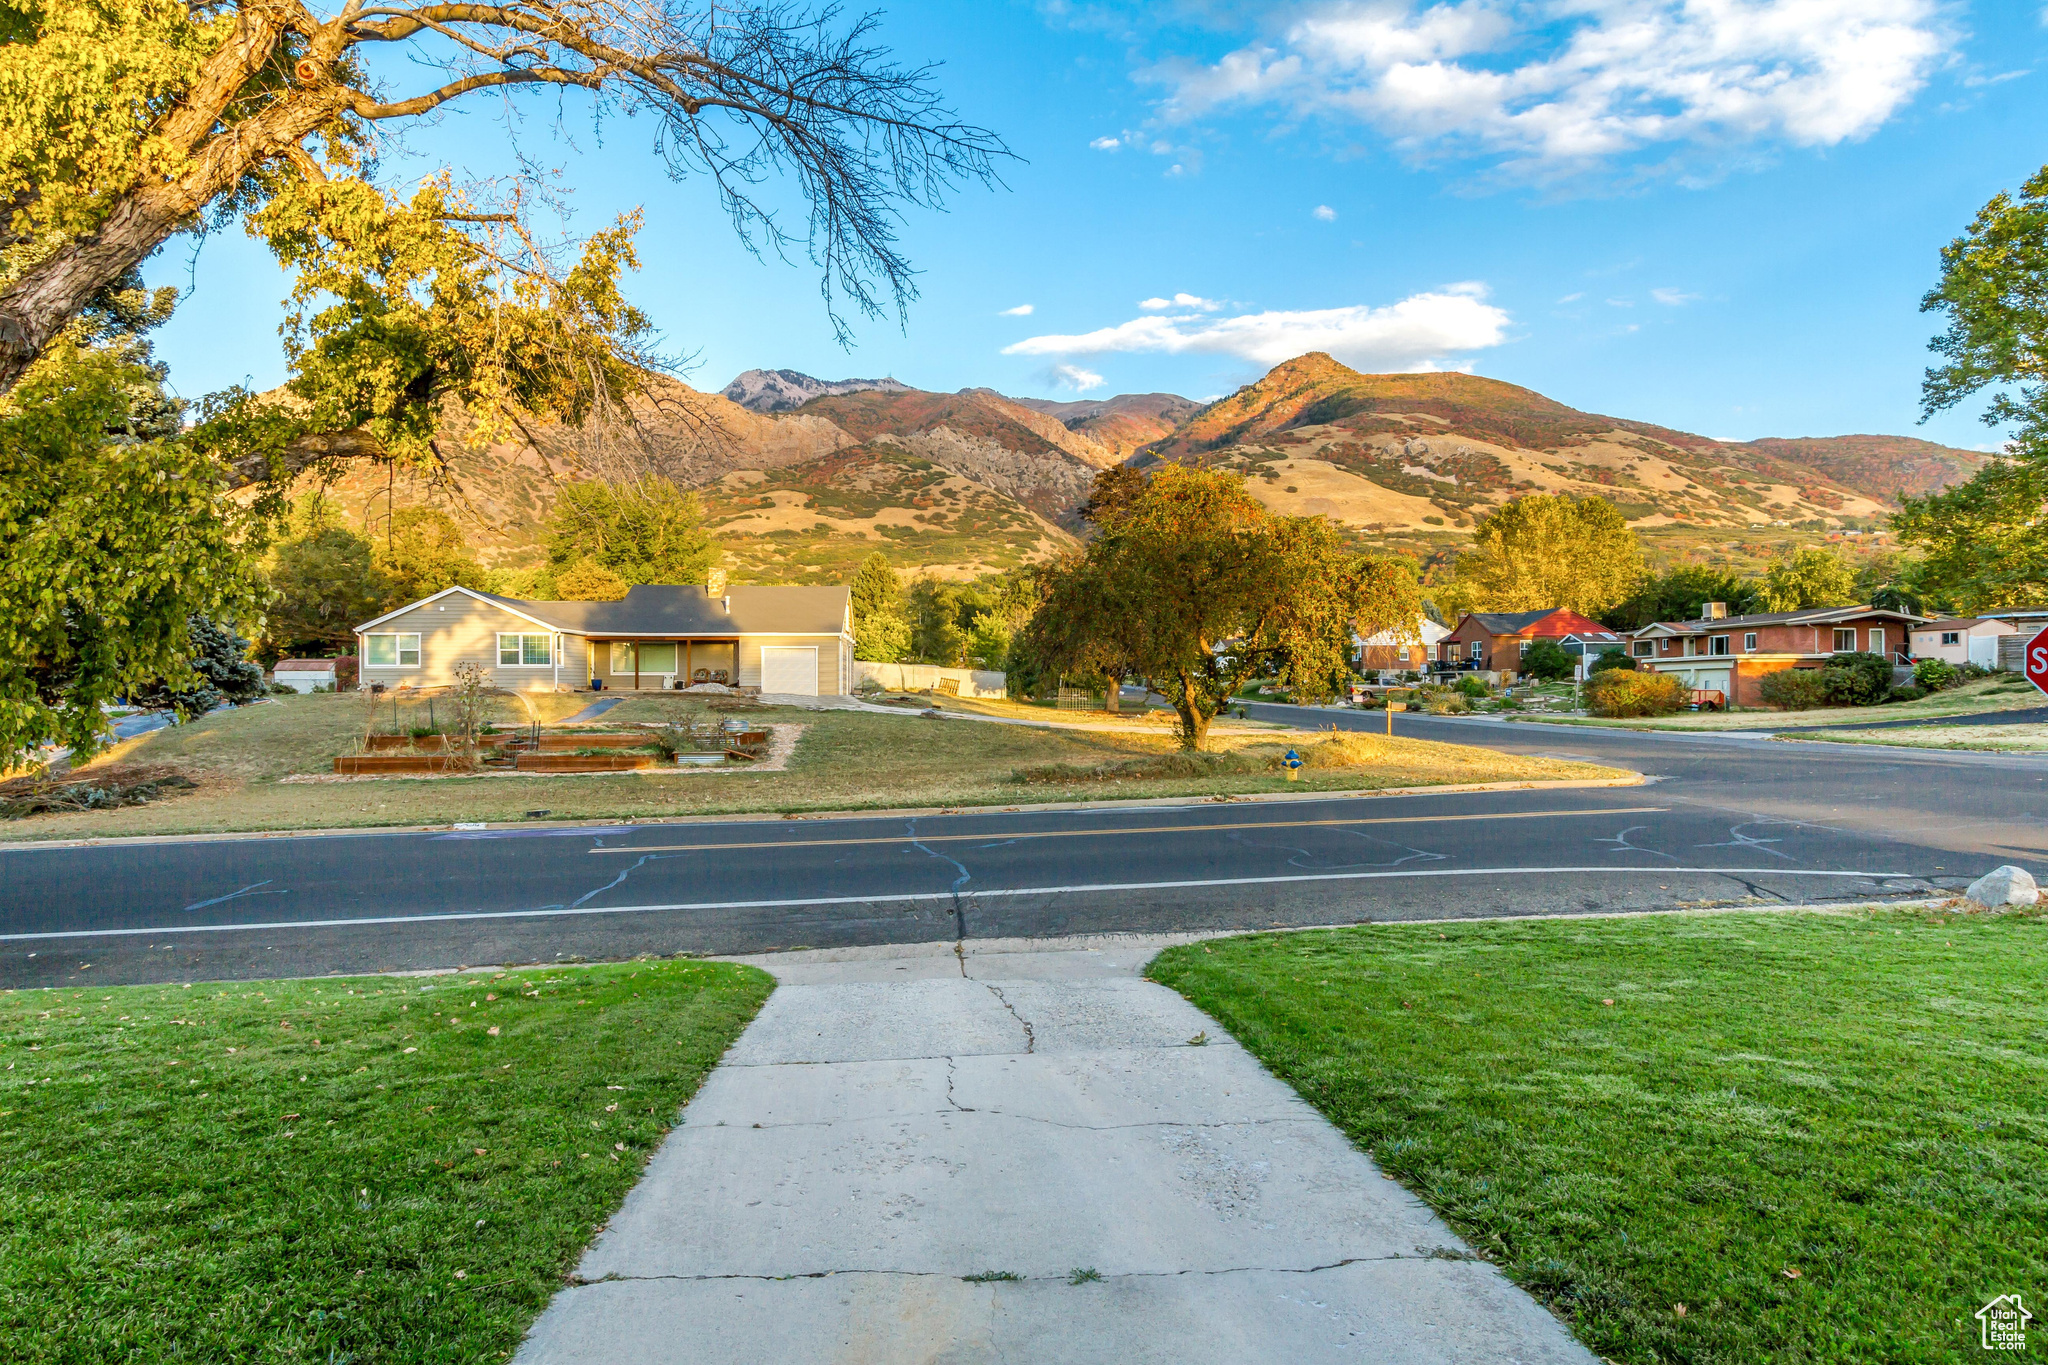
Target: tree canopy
x: 880, y: 634
x: 1193, y: 585
x: 1549, y: 550
x: 643, y: 531
x: 1808, y: 576
x: 129, y: 122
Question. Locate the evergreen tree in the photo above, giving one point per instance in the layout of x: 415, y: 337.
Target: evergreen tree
x: 880, y: 634
x: 218, y: 669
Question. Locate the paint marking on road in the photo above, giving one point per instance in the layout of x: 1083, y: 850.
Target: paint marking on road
x: 556, y: 912
x: 1140, y: 829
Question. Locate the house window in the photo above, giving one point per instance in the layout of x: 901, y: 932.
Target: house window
x: 1717, y: 645
x: 391, y: 651
x: 516, y: 650
x: 1524, y: 649
x: 1845, y: 641
x: 1877, y: 641
x: 1476, y: 646
x: 1950, y: 637
x: 644, y: 657
x: 1749, y: 643
x: 1642, y: 649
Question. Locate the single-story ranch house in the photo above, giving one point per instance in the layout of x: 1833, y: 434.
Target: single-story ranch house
x: 785, y: 639
x: 1961, y: 640
x: 1497, y: 640
x: 1733, y: 654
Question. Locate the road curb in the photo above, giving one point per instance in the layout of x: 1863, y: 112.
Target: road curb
x: 892, y: 813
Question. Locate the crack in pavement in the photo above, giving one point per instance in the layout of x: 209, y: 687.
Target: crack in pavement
x: 1419, y: 1254
x: 1311, y: 1120
x: 250, y: 889
x: 1030, y: 1039
x: 644, y: 859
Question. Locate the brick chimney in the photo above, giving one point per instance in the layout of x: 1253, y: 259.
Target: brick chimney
x: 1713, y: 611
x: 714, y: 583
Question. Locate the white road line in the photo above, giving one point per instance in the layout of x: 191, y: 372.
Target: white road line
x: 561, y: 911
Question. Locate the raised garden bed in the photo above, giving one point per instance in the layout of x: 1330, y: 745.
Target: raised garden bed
x: 398, y: 763
x: 583, y: 763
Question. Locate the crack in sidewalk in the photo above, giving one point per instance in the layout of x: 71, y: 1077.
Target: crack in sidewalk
x: 1030, y: 1039
x: 1439, y: 1253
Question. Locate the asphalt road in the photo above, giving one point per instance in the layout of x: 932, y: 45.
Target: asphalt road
x: 1724, y: 820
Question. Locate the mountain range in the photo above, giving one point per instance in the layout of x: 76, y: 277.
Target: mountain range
x: 801, y: 478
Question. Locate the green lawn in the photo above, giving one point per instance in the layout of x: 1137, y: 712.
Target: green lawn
x: 1824, y: 1135
x: 363, y: 1170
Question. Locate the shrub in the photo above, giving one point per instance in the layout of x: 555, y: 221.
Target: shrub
x: 1612, y: 658
x: 1473, y: 688
x: 1618, y: 692
x: 1857, y: 679
x: 1910, y: 692
x: 1344, y: 751
x: 1935, y: 674
x: 1973, y: 672
x: 1794, y: 689
x: 1547, y: 660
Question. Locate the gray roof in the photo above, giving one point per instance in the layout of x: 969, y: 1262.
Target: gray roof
x: 1954, y: 623
x: 1811, y: 616
x: 673, y: 609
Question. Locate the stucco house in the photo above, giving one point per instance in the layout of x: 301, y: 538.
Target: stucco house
x: 1733, y: 654
x: 791, y: 640
x: 1961, y: 640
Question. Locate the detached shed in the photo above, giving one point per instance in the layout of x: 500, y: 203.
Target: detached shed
x: 305, y: 675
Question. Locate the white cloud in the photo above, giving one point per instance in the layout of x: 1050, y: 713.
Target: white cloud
x: 1572, y: 298
x: 1196, y: 301
x: 1073, y: 377
x: 1325, y: 213
x: 1422, y: 332
x: 1673, y: 298
x: 1106, y: 144
x: 1562, y: 85
x: 1155, y: 304
x: 1022, y: 310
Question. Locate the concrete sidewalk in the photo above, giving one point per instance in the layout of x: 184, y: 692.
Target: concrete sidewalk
x: 900, y: 1121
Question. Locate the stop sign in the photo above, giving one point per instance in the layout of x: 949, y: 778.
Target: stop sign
x: 2037, y: 660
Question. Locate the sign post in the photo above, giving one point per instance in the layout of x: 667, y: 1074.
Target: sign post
x: 2035, y: 660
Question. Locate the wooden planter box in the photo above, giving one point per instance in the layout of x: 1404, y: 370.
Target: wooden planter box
x: 554, y: 743
x: 583, y: 763
x: 429, y: 744
x: 397, y: 763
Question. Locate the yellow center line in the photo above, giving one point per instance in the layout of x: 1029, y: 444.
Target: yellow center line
x: 1142, y: 829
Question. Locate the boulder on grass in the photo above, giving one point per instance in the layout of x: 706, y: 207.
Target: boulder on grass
x: 2003, y: 887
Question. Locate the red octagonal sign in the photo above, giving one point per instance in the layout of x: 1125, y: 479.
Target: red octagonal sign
x: 2037, y: 660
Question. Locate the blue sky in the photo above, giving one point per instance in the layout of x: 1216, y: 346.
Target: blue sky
x: 1719, y: 215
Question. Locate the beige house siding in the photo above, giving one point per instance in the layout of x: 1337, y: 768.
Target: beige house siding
x: 459, y: 629
x: 834, y: 656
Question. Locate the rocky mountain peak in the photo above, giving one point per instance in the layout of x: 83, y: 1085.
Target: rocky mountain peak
x: 787, y: 390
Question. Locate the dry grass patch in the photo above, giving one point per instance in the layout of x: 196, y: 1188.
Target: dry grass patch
x: 846, y: 760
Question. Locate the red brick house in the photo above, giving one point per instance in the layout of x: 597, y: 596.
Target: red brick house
x: 1733, y: 654
x: 1496, y: 640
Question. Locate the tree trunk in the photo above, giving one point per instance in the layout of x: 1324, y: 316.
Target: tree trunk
x: 1112, y: 695
x: 1194, y: 722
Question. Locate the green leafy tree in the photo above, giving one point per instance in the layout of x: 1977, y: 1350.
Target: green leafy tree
x: 589, y: 581
x: 1549, y: 550
x: 1611, y: 658
x: 936, y: 608
x: 1983, y: 543
x: 1193, y: 585
x: 880, y: 634
x: 1809, y: 576
x: 114, y: 536
x: 324, y: 582
x: 424, y: 553
x: 1679, y: 593
x: 645, y: 531
x: 1547, y: 659
x: 126, y: 124
x: 988, y: 641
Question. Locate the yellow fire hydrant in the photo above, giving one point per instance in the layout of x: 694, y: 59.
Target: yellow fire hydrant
x: 1293, y: 764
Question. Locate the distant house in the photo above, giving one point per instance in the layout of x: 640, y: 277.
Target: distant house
x: 1734, y: 654
x: 304, y: 675
x: 1961, y: 640
x: 779, y: 639
x: 1496, y: 640
x: 2027, y: 622
x: 1388, y: 650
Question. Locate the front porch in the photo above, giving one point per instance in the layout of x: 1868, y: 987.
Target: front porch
x: 658, y: 664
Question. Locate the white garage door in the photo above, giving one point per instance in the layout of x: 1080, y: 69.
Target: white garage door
x: 790, y: 668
